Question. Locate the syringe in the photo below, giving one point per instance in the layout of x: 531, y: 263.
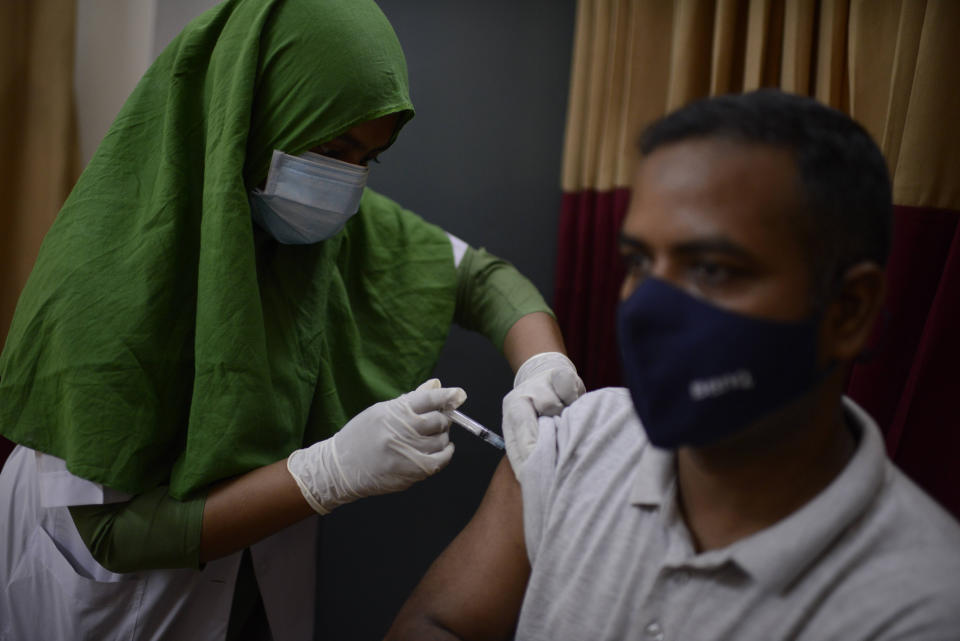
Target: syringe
x: 472, y: 426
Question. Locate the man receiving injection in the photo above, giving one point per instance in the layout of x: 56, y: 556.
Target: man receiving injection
x: 730, y: 491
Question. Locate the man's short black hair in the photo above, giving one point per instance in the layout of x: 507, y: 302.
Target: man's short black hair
x: 848, y: 206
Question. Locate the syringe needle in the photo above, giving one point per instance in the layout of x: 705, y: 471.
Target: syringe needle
x: 475, y: 428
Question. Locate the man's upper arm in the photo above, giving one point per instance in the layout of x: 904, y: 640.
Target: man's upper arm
x: 475, y: 588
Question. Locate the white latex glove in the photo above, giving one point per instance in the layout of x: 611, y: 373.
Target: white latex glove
x: 544, y: 385
x: 385, y: 448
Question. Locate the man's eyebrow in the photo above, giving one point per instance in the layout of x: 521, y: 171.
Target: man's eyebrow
x: 712, y: 245
x: 630, y: 241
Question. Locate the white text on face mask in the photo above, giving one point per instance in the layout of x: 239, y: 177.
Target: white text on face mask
x: 719, y: 385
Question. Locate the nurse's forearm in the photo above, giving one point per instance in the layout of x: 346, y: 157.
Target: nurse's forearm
x: 150, y: 531
x: 248, y: 508
x: 532, y: 334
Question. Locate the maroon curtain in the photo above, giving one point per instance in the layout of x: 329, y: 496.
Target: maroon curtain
x: 588, y: 276
x: 910, y: 384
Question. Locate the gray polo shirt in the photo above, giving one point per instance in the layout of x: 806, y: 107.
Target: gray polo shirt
x: 870, y: 557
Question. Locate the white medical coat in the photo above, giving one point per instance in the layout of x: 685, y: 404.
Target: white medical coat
x: 51, y: 587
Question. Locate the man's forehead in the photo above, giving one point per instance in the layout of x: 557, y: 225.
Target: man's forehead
x: 717, y: 185
x: 698, y: 162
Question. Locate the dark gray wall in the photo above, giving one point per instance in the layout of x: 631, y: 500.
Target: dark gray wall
x: 481, y: 159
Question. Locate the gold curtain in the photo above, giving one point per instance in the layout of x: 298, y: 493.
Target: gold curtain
x: 891, y: 64
x: 39, y: 158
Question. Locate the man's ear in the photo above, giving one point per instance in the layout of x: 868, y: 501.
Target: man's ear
x: 852, y: 313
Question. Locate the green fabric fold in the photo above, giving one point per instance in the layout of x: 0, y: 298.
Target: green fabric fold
x: 162, y: 338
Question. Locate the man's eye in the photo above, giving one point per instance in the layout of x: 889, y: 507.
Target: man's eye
x: 709, y: 273
x: 636, y: 264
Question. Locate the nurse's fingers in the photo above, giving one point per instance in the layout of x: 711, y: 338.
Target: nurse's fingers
x: 422, y: 401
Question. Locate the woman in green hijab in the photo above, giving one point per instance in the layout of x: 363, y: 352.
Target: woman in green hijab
x: 221, y: 331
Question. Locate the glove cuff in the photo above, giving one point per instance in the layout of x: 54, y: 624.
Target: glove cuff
x: 318, y: 476
x: 540, y: 362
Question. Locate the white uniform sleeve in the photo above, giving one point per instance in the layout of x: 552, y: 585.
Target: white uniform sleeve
x: 459, y: 249
x: 60, y: 488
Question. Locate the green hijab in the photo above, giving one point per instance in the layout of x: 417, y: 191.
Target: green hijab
x: 162, y: 338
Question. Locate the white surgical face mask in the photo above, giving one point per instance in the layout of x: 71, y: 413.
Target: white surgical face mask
x: 307, y: 198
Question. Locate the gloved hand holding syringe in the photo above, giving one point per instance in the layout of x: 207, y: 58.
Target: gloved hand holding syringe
x: 477, y: 429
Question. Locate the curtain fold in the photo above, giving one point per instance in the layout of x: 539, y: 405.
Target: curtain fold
x: 910, y: 381
x: 890, y: 65
x: 590, y: 279
x: 39, y: 156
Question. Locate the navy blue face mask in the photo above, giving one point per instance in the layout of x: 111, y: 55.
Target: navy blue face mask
x: 698, y: 373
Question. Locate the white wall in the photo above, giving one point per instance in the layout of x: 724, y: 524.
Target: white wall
x: 117, y: 40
